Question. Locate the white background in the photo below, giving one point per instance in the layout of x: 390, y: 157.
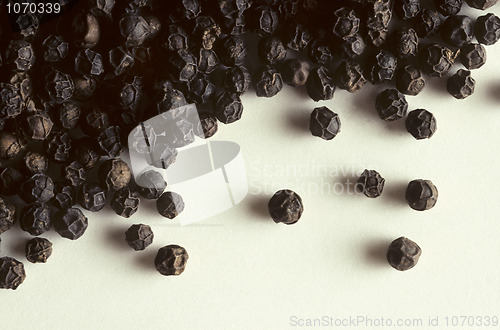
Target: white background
x: 246, y: 272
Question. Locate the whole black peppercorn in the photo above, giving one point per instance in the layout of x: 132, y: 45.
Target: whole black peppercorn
x: 134, y: 29
x: 37, y: 126
x: 171, y: 260
x: 267, y: 81
x: 20, y: 55
x: 10, y: 181
x: 487, y: 29
x: 461, y: 84
x: 481, y: 4
x: 448, y: 7
x: 28, y: 24
x: 170, y: 204
x: 109, y: 141
x: 353, y: 47
x: 421, y: 124
x: 208, y: 61
x: 370, y: 183
x: 380, y: 67
x: 11, y: 101
x: 376, y: 38
x: 271, y: 50
x: 120, y: 59
x: 35, y: 218
x: 409, y: 80
x: 59, y: 85
x: 324, y: 123
x: 391, y: 104
x: 349, y: 76
x: 38, y: 250
x: 320, y: 51
x: 139, y: 237
x: 379, y: 14
x: 262, y: 20
x: 151, y: 184
x: 86, y: 153
x: 38, y: 188
x: 201, y: 89
x: 427, y: 23
x: 86, y: 30
x: 74, y: 173
x: 236, y: 79
x: 205, y: 32
x: 11, y: 145
x: 70, y: 223
x: 421, y: 194
x: 208, y: 124
x: 345, y: 23
x: 12, y: 273
x: 295, y: 72
x: 94, y: 121
x: 403, y: 254
x: 68, y: 114
x: 89, y: 62
x: 457, y: 30
x: 131, y: 94
x: 320, y: 85
x: 436, y: 60
x: 286, y: 207
x: 7, y: 215
x: 182, y: 65
x: 55, y: 49
x: 85, y: 87
x: 114, y: 174
x: 232, y: 50
x: 58, y: 146
x: 125, y: 202
x: 407, y: 9
x: 296, y: 36
x: 64, y: 196
x: 92, y: 197
x: 169, y: 99
x: 183, y: 10
x: 473, y: 56
x: 174, y: 37
x: 404, y: 43
x: 234, y: 25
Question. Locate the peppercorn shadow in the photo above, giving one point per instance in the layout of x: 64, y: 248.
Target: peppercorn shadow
x: 395, y: 194
x: 145, y: 260
x: 258, y: 205
x: 376, y: 252
x: 299, y: 120
x: 349, y: 184
x: 116, y: 237
x: 494, y: 91
x: 364, y: 102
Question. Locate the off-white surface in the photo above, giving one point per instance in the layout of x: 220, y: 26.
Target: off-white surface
x: 246, y: 272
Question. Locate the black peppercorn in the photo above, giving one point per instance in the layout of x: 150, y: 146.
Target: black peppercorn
x: 232, y: 50
x: 427, y: 23
x: 59, y: 85
x: 64, y: 196
x: 262, y: 20
x: 271, y: 50
x: 320, y: 85
x: 131, y: 94
x: 457, y: 30
x: 92, y: 197
x: 35, y: 219
x: 407, y: 9
x: 109, y: 141
x: 380, y: 67
x: 208, y: 124
x: 345, y: 23
x: 38, y: 188
x: 183, y: 10
x: 7, y: 215
x: 74, y: 173
x: 37, y: 126
x: 448, y: 7
x: 89, y: 62
x: 421, y: 195
x: 481, y: 4
x: 85, y: 153
x: 391, y: 104
x: 436, y: 60
x: 85, y: 87
x: 461, y: 84
x: 170, y: 204
x: 20, y: 55
x: 151, y: 184
x: 12, y: 273
x: 320, y: 51
x: 473, y: 56
x: 349, y: 76
x: 169, y: 99
x: 403, y: 254
x: 421, y: 124
x: 58, y: 146
x: 70, y: 223
x: 174, y: 38
x: 208, y: 61
x: 183, y: 65
x: 134, y: 29
x: 296, y: 36
x: 93, y: 121
x: 409, y: 80
x: 11, y: 145
x: 376, y: 38
x: 68, y: 115
x: 114, y: 174
x: 139, y: 237
x: 11, y: 101
x: 125, y: 202
x: 487, y: 29
x: 295, y: 72
x: 286, y: 207
x: 324, y: 123
x: 370, y: 183
x: 236, y: 80
x: 10, y: 181
x: 38, y: 250
x: 205, y: 32
x: 55, y: 49
x: 171, y: 260
x: 120, y: 59
x: 353, y: 47
x: 201, y: 89
x: 404, y: 43
x: 267, y: 81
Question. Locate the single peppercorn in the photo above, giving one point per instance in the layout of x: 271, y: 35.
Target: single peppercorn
x: 285, y: 206
x: 208, y: 124
x: 457, y: 30
x: 391, y: 104
x: 421, y: 124
x: 92, y: 197
x: 448, y: 7
x: 377, y: 38
x: 170, y: 204
x: 37, y: 126
x: 7, y: 215
x: 370, y: 183
x: 427, y: 23
x: 11, y: 144
x: 271, y: 50
x: 421, y: 195
x: 74, y: 173
x: 119, y: 58
x: 183, y: 65
x: 114, y: 174
x: 324, y: 123
x: 139, y: 237
x: 134, y: 29
x: 11, y: 101
x: 71, y: 223
x: 436, y: 60
x: 349, y: 76
x: 12, y: 273
x: 109, y: 141
x: 461, y: 84
x: 89, y: 62
x: 231, y: 50
x: 473, y: 56
x: 94, y: 120
x: 86, y: 153
x: 174, y: 37
x: 68, y: 114
x: 236, y: 80
x: 481, y: 4
x: 407, y: 9
x: 267, y: 81
x: 320, y: 52
x: 58, y: 146
x: 320, y: 85
x: 296, y: 36
x: 85, y: 87
x: 20, y: 55
x: 208, y: 61
x: 38, y: 188
x: 151, y: 184
x: 86, y: 30
x: 10, y: 181
x: 38, y: 250
x: 262, y: 20
x: 201, y: 89
x: 409, y: 80
x: 59, y: 85
x: 125, y: 202
x: 171, y: 260
x: 404, y: 43
x: 35, y: 218
x: 205, y: 32
x: 352, y: 47
x: 55, y: 49
x: 487, y: 29
x: 380, y: 67
x: 64, y: 196
x: 345, y: 23
x: 403, y: 254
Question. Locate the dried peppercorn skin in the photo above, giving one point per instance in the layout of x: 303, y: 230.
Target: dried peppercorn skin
x: 171, y: 260
x: 370, y: 183
x: 285, y: 206
x: 12, y: 273
x: 421, y: 195
x: 403, y: 254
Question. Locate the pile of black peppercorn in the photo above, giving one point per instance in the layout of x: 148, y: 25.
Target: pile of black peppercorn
x: 75, y: 85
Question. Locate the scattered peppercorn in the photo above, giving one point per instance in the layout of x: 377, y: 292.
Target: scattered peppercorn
x: 481, y: 4
x: 487, y: 29
x: 208, y: 124
x: 267, y: 81
x: 436, y: 60
x: 7, y: 215
x: 70, y: 223
x: 349, y: 76
x: 38, y: 250
x: 271, y: 50
x: 171, y: 260
x: 139, y: 237
x: 92, y: 197
x: 421, y: 195
x: 381, y: 67
x: 421, y: 124
x: 228, y: 107
x: 151, y: 184
x: 64, y: 196
x: 391, y: 104
x: 34, y: 162
x: 324, y: 123
x: 35, y: 218
x: 38, y: 188
x: 461, y: 84
x: 11, y: 145
x: 12, y: 273
x: 170, y: 204
x: 370, y: 183
x: 409, y: 80
x: 74, y: 173
x: 403, y: 254
x: 125, y: 202
x: 473, y: 56
x: 286, y: 207
x: 427, y: 23
x: 448, y: 7
x: 457, y: 30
